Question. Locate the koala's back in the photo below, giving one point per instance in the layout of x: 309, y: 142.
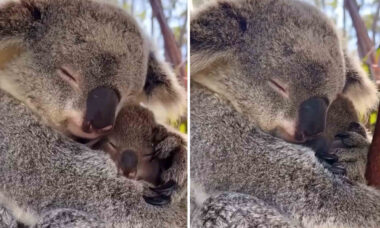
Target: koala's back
x: 230, y: 155
x: 43, y: 170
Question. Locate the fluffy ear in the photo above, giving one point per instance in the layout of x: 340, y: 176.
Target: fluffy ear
x: 359, y: 88
x: 219, y: 28
x: 17, y: 17
x: 211, y: 38
x: 162, y: 92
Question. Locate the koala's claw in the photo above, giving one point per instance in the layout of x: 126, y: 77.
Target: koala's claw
x: 327, y: 157
x: 338, y: 169
x: 342, y: 135
x: 165, y: 189
x: 163, y: 192
x: 159, y: 200
x: 350, y: 139
x: 358, y: 128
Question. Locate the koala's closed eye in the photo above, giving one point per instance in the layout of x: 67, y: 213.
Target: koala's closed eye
x: 279, y: 87
x: 111, y: 145
x: 68, y: 75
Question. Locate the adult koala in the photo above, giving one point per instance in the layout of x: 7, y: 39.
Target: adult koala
x: 68, y: 67
x: 264, y: 72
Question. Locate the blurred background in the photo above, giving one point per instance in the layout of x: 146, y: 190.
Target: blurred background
x: 164, y: 21
x: 358, y: 21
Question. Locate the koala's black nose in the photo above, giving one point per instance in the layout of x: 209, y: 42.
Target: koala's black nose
x: 100, y: 110
x: 312, y: 117
x: 128, y: 161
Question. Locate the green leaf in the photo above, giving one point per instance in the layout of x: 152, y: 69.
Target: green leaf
x: 373, y: 118
x: 333, y: 3
x: 142, y: 15
x: 366, y: 68
x: 183, y: 128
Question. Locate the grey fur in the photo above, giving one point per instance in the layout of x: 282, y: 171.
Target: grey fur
x: 283, y: 175
x: 44, y: 175
x: 47, y: 179
x: 237, y: 46
x: 136, y: 129
x: 101, y: 45
x: 240, y: 210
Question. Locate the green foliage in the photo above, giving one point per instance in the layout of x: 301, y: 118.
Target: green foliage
x: 142, y: 15
x: 333, y: 3
x: 180, y: 124
x: 126, y: 6
x: 371, y: 121
x: 183, y: 128
x: 373, y: 118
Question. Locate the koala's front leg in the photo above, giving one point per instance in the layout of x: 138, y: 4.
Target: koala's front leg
x: 352, y: 148
x: 170, y: 149
x: 67, y: 218
x: 239, y: 210
x: 330, y: 161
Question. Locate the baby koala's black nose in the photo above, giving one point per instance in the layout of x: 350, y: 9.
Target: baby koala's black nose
x: 101, y: 109
x: 128, y: 161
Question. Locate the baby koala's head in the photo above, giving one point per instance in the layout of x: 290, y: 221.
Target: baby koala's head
x: 131, y: 144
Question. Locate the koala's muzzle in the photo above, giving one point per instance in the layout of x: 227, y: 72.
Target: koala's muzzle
x: 311, y: 118
x: 101, y: 109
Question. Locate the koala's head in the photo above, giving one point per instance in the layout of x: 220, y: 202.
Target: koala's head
x: 76, y: 62
x: 280, y: 63
x: 134, y: 131
x: 131, y: 143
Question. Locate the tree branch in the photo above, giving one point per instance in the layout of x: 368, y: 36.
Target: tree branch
x: 171, y: 49
x: 373, y: 163
x: 374, y: 23
x: 364, y: 42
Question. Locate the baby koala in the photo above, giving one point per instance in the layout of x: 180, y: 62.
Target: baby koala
x: 131, y: 144
x: 341, y: 117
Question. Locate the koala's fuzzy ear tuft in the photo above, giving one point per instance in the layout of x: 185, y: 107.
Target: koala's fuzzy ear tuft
x: 359, y: 88
x: 162, y: 92
x: 33, y: 9
x: 221, y: 27
x: 17, y: 17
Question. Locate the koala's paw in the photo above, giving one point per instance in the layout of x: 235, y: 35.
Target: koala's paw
x: 166, y: 143
x: 174, y: 178
x: 329, y: 161
x: 170, y: 149
x: 162, y: 194
x: 355, y: 137
x: 336, y: 168
x: 351, y: 148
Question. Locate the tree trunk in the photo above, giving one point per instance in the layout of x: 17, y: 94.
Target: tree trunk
x: 373, y: 164
x: 171, y: 49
